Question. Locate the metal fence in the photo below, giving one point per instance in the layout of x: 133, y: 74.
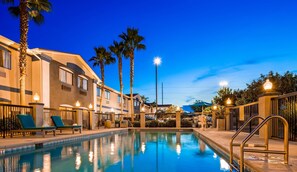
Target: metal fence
x: 8, y: 119
x: 250, y: 110
x: 285, y: 106
x: 68, y: 116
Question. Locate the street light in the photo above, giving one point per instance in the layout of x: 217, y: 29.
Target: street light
x: 157, y: 62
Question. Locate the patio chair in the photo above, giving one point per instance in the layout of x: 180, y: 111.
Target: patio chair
x: 60, y: 125
x: 28, y: 125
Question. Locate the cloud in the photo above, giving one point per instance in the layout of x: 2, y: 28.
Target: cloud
x: 235, y: 67
x: 189, y: 99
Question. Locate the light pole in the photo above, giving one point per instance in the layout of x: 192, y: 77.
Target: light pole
x: 157, y: 62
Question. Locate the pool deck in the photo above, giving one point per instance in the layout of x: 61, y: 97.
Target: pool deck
x: 257, y: 161
x: 28, y: 142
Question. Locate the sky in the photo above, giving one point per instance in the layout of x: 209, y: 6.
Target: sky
x: 201, y: 42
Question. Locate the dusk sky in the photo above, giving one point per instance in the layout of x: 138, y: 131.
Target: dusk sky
x: 201, y: 42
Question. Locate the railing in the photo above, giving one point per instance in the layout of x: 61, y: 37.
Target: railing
x: 285, y: 106
x: 8, y: 119
x: 68, y: 116
x: 243, y: 144
x: 238, y: 132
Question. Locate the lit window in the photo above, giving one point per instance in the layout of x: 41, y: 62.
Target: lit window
x: 5, y: 58
x: 107, y: 95
x: 65, y: 76
x: 82, y: 83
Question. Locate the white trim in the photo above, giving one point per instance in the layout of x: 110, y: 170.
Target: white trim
x: 64, y: 68
x: 66, y: 105
x: 83, y: 77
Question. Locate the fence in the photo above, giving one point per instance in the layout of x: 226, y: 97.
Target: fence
x: 249, y: 110
x: 68, y: 116
x: 285, y: 106
x: 8, y: 120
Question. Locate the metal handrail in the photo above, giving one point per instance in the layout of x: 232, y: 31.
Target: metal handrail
x: 286, y: 141
x: 238, y: 132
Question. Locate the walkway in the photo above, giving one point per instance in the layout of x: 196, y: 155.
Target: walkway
x: 256, y: 160
x: 21, y: 142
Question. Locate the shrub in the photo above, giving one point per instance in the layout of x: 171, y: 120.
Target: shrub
x: 162, y: 124
x: 136, y: 124
x: 147, y: 123
x: 153, y: 123
x: 186, y: 123
x: 171, y: 123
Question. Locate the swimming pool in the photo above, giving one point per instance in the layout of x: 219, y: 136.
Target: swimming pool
x: 128, y: 151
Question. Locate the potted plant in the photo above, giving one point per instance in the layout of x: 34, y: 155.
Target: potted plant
x: 220, y: 118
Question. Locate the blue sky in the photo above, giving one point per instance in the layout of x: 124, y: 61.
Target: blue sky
x: 201, y: 42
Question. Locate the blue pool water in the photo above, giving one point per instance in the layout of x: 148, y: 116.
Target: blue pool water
x: 131, y: 151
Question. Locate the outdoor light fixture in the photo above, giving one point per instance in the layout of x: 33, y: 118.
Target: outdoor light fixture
x: 36, y: 97
x: 77, y: 104
x: 214, y: 107
x: 157, y: 60
x: 228, y: 102
x: 90, y: 106
x: 178, y: 108
x: 142, y: 109
x: 267, y: 85
x: 112, y: 110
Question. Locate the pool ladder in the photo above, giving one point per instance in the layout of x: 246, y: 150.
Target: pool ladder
x: 244, y: 144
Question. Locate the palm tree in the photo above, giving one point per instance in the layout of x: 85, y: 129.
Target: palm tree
x: 26, y: 10
x: 102, y: 58
x: 132, y: 41
x: 117, y: 49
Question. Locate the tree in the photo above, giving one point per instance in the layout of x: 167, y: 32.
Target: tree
x: 102, y: 58
x: 222, y: 95
x: 117, y: 49
x: 26, y: 10
x: 144, y: 99
x: 132, y: 41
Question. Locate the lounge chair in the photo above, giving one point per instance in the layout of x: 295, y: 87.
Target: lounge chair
x: 28, y: 125
x: 60, y: 125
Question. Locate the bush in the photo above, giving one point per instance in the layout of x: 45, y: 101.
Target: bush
x: 147, y: 123
x: 136, y: 124
x: 153, y: 123
x: 171, y: 123
x: 186, y: 123
x: 162, y: 124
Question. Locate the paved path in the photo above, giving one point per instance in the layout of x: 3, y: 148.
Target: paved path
x: 257, y: 160
x: 17, y: 141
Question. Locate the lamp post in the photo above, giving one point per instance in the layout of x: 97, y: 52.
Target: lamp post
x: 157, y: 62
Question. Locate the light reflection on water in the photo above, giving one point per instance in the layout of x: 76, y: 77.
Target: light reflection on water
x: 133, y: 151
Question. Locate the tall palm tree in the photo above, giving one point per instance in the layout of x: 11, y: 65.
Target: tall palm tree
x: 102, y: 58
x: 27, y: 10
x: 117, y: 49
x: 132, y: 41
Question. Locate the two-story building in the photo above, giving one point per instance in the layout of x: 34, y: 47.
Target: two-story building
x: 60, y: 79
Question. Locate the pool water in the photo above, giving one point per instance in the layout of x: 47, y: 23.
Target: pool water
x: 131, y: 151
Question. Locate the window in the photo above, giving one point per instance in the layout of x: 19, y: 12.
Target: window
x: 65, y: 76
x: 119, y: 99
x: 5, y: 58
x: 107, y: 94
x: 82, y: 83
x: 98, y: 91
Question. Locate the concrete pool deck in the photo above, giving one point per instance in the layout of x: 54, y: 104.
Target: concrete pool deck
x: 257, y: 161
x: 18, y: 143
